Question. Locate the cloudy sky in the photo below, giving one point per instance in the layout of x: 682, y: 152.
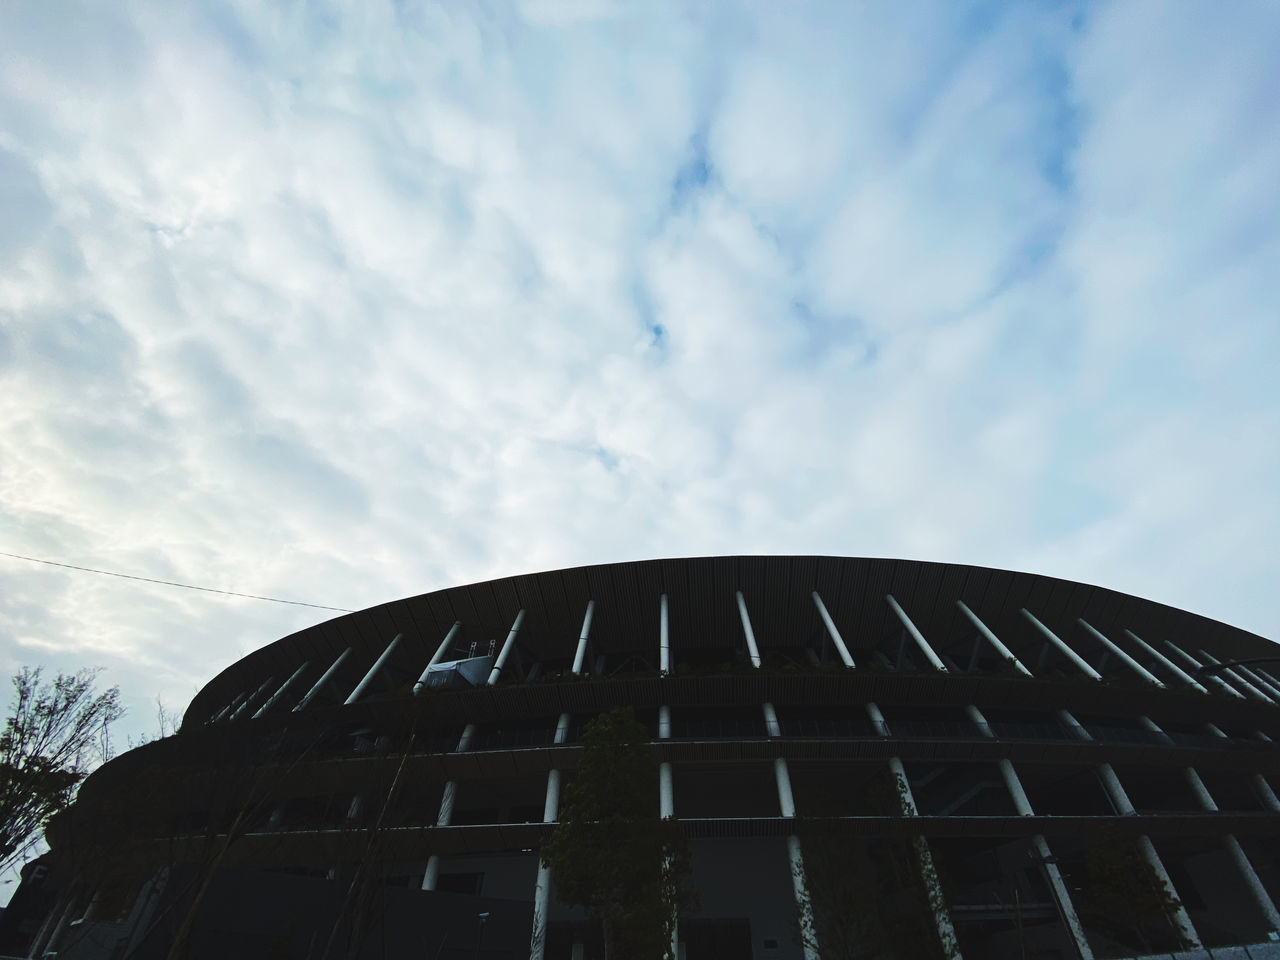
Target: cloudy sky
x: 343, y: 303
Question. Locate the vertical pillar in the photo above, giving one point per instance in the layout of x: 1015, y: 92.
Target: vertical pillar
x: 832, y: 632
x: 436, y: 657
x: 542, y: 886
x: 1061, y: 894
x: 1062, y: 646
x: 934, y: 660
x: 445, y: 816
x: 992, y: 639
x: 795, y: 860
x: 924, y: 856
x: 786, y: 801
x: 664, y: 637
x: 551, y: 808
x: 324, y: 679
x: 666, y: 785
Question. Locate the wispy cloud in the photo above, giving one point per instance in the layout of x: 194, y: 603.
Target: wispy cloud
x: 351, y: 303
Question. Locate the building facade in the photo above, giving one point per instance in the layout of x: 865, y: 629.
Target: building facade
x: 869, y: 758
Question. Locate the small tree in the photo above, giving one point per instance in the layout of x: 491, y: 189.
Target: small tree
x: 53, y: 735
x: 1127, y: 899
x: 610, y: 852
x: 869, y: 897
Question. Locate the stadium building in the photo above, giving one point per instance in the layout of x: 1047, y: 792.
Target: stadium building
x: 869, y: 758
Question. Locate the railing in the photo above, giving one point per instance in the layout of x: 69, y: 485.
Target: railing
x: 808, y: 728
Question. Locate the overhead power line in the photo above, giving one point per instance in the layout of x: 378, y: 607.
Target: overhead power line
x: 174, y: 583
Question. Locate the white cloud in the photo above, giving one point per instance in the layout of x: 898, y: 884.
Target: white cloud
x: 348, y: 309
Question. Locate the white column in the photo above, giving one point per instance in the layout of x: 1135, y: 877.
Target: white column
x: 445, y: 816
x: 324, y: 679
x: 251, y: 698
x: 664, y: 722
x: 1254, y: 882
x: 992, y: 639
x: 1196, y: 665
x: 752, y: 650
x: 786, y: 802
x: 795, y: 860
x: 772, y: 727
x: 235, y: 702
x: 666, y: 785
x: 51, y: 921
x: 832, y: 632
x: 664, y: 637
x: 1124, y: 807
x: 1075, y: 726
x: 1131, y: 663
x: 541, y: 901
x: 1061, y: 894
x: 934, y: 660
x: 551, y: 808
x: 1260, y: 681
x: 1267, y: 677
x: 1232, y: 845
x: 1238, y: 677
x: 581, y: 652
x: 432, y: 875
x: 667, y: 810
x: 67, y: 915
x: 924, y: 856
x: 1265, y: 793
x: 542, y: 886
x: 94, y: 906
x: 1199, y: 789
x: 1167, y: 663
x: 1149, y: 724
x: 498, y: 664
x: 280, y: 692
x: 373, y: 671
x: 929, y: 872
x: 1062, y: 646
x: 436, y: 657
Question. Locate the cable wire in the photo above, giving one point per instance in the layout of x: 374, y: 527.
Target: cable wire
x: 174, y: 583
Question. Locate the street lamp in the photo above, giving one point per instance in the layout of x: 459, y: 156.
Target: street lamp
x: 481, y: 918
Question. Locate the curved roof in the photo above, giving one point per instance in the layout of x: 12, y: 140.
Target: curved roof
x: 703, y: 613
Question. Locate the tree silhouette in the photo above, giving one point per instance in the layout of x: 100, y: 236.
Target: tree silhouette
x: 54, y: 733
x: 610, y: 852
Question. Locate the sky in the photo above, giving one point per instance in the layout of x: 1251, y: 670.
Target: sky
x: 342, y: 303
